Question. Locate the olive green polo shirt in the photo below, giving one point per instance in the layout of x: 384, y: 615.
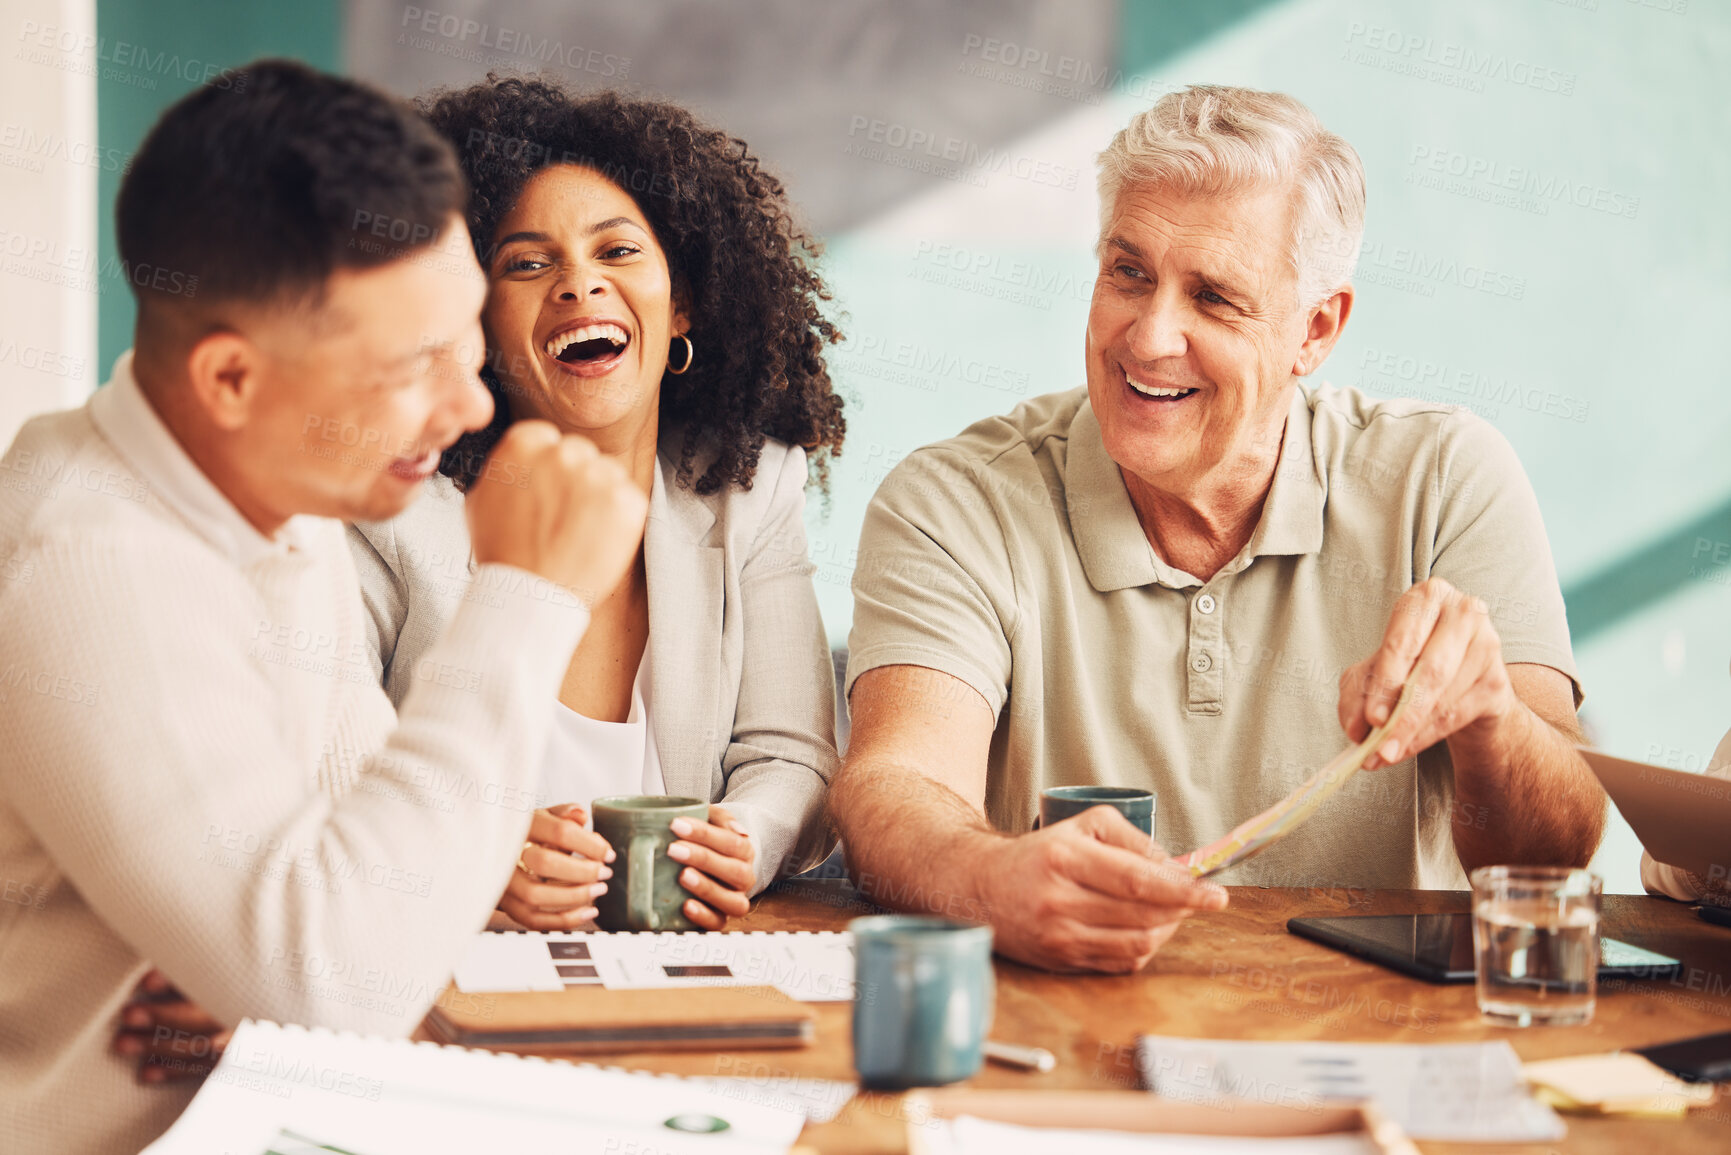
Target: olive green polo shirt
x: 1010, y: 557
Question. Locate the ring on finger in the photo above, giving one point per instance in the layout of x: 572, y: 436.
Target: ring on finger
x: 527, y: 846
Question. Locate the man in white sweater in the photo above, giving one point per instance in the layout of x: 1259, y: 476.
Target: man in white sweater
x: 197, y: 767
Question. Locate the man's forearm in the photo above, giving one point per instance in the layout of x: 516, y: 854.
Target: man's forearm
x: 912, y: 843
x: 1539, y: 800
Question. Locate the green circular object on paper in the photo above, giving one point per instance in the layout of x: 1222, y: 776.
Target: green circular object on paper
x: 697, y: 1124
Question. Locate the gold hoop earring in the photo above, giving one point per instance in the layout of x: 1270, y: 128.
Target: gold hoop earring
x: 689, y: 354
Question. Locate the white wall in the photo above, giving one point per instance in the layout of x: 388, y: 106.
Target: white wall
x: 49, y: 276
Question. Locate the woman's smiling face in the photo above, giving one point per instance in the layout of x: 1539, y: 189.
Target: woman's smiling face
x: 580, y: 309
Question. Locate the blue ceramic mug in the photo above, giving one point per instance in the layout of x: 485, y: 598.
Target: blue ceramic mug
x: 923, y: 998
x: 1060, y: 802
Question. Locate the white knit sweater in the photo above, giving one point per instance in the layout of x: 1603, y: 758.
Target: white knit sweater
x: 199, y: 771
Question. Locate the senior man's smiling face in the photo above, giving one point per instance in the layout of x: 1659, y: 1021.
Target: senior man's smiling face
x: 1195, y: 333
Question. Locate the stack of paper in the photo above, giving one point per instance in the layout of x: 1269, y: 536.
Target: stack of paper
x: 1617, y: 1084
x: 1450, y: 1092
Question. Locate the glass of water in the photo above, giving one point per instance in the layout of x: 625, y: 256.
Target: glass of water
x: 1536, y: 944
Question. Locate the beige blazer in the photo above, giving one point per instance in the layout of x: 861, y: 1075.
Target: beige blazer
x: 742, y: 697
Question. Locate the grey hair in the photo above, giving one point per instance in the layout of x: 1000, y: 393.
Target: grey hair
x: 1208, y: 140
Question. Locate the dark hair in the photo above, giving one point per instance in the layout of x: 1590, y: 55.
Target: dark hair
x: 263, y: 186
x: 744, y: 266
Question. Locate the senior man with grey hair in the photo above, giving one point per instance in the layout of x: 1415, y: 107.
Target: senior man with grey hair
x: 1199, y: 576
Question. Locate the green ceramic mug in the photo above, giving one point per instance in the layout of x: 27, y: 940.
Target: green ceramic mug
x: 644, y: 892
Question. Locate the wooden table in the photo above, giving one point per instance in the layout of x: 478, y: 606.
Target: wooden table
x: 1239, y: 975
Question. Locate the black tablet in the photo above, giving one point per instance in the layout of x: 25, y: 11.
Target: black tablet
x: 1704, y: 1059
x: 1439, y: 947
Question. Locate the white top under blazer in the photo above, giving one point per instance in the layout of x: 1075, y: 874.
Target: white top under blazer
x: 589, y: 758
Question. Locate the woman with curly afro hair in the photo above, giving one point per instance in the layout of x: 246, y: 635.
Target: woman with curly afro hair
x: 648, y: 290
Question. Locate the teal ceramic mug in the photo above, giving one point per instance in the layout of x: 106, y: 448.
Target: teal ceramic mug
x: 923, y: 999
x: 644, y: 892
x: 1060, y: 802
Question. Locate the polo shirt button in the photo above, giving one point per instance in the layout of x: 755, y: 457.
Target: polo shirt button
x: 1205, y: 603
x: 1201, y: 663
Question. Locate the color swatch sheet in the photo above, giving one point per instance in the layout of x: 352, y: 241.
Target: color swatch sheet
x: 284, y: 1090
x: 1291, y: 812
x: 811, y: 966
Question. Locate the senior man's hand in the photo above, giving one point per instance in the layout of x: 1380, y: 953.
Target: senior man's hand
x: 1442, y: 640
x: 1091, y: 893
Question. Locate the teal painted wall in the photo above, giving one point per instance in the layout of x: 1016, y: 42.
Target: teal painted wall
x: 1152, y: 31
x: 155, y: 52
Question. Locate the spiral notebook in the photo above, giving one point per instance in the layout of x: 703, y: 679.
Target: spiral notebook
x: 286, y: 1090
x: 810, y: 966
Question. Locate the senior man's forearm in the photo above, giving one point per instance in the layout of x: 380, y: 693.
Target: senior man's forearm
x: 908, y: 800
x: 1523, y: 795
x: 912, y: 843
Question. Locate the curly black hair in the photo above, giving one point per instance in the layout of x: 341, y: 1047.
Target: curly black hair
x: 746, y: 268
